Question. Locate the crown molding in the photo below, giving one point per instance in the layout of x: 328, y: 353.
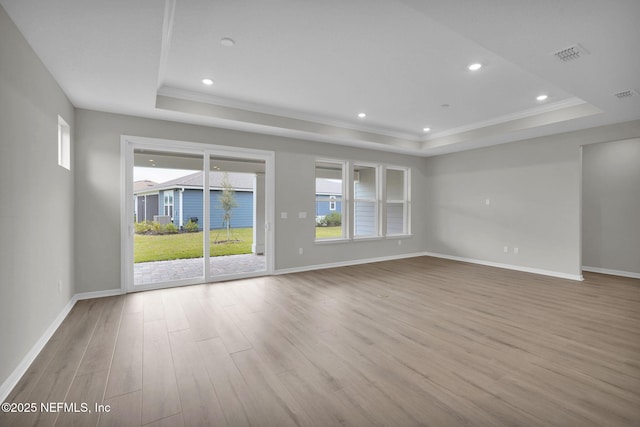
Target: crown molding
x: 273, y: 110
x: 566, y: 103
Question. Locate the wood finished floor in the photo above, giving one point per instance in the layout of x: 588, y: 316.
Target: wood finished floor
x: 421, y: 341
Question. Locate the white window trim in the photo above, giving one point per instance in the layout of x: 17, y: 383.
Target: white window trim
x: 168, y: 196
x: 344, y: 205
x: 406, y: 202
x: 64, y: 144
x: 376, y: 200
x: 128, y: 144
x: 348, y: 202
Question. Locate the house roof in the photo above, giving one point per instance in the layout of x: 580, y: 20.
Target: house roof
x: 143, y: 184
x: 239, y: 182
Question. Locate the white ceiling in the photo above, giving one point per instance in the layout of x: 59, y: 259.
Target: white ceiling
x: 305, y: 68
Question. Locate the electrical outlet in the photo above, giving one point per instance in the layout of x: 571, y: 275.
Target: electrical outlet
x: 399, y: 242
x: 506, y: 249
x: 487, y: 202
x: 515, y: 251
x: 283, y: 215
x: 300, y: 251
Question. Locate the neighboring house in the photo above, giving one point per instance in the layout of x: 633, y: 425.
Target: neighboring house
x: 181, y: 200
x: 328, y: 196
x: 145, y: 206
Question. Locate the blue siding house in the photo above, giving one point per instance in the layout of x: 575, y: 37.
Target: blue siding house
x: 180, y: 200
x: 328, y: 196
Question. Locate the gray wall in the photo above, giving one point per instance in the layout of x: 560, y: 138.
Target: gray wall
x: 534, y: 188
x: 36, y: 213
x: 97, y: 227
x: 611, y: 206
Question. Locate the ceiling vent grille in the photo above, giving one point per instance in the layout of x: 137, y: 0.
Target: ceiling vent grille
x: 571, y: 53
x: 626, y: 94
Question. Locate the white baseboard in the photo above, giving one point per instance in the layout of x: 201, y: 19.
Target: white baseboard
x: 509, y: 266
x: 344, y: 263
x: 98, y: 294
x: 611, y: 272
x: 28, y: 359
x: 19, y: 371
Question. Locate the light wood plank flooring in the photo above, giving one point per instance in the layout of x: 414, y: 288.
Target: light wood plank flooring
x: 422, y: 341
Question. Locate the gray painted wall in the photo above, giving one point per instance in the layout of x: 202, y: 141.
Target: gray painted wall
x: 36, y: 213
x: 611, y: 206
x: 534, y: 190
x: 97, y: 231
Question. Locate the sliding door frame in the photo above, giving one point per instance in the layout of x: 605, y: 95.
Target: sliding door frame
x: 131, y: 143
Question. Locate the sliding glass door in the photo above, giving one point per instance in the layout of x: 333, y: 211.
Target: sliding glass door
x: 168, y: 238
x: 193, y: 214
x: 237, y: 212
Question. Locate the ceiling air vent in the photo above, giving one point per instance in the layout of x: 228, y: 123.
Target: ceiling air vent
x: 571, y: 53
x: 626, y: 94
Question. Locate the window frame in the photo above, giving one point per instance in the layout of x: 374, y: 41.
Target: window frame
x: 381, y: 201
x: 344, y: 201
x: 405, y: 201
x: 168, y: 202
x: 376, y: 199
x: 64, y: 144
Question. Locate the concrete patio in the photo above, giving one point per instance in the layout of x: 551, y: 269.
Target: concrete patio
x: 164, y: 271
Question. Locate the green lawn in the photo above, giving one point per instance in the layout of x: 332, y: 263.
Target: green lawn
x: 328, y: 232
x: 189, y: 245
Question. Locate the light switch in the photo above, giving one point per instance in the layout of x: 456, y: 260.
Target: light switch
x: 302, y: 215
x: 283, y: 215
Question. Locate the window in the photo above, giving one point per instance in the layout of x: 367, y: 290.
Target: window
x: 397, y: 201
x: 361, y: 201
x: 64, y: 144
x: 365, y: 201
x: 330, y: 197
x: 168, y: 204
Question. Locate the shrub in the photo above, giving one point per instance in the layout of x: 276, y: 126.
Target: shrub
x: 334, y: 219
x: 170, y: 228
x: 142, y: 227
x: 191, y: 227
x: 157, y: 228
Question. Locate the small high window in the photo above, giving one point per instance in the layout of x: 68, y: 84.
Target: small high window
x: 64, y: 144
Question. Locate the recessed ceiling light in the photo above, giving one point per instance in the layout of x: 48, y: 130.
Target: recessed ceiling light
x: 151, y: 160
x: 542, y: 97
x: 362, y: 115
x: 426, y: 129
x: 207, y: 82
x: 227, y: 41
x: 476, y: 66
